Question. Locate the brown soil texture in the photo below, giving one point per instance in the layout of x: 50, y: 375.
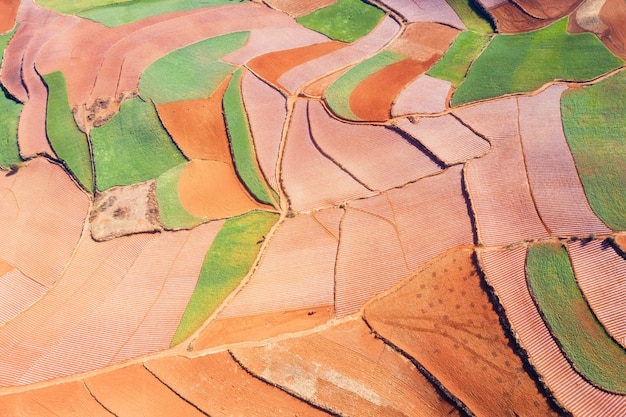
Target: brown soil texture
x: 197, y: 126
x: 347, y: 371
x: 422, y: 41
x: 511, y: 19
x: 554, y: 9
x: 466, y: 349
x: 613, y: 14
x: 261, y: 326
x: 8, y: 12
x: 274, y: 64
x: 212, y: 190
x: 219, y: 387
x: 621, y: 241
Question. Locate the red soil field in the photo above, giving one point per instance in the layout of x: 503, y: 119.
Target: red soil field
x: 205, y: 137
x: 503, y: 205
x: 613, y: 14
x: 601, y: 275
x: 548, y: 10
x: 446, y: 138
x: 504, y: 271
x: 309, y: 178
x: 274, y: 64
x: 424, y: 41
x: 442, y: 318
x: 296, y: 271
x: 554, y: 182
x: 426, y: 217
x: 212, y: 190
x: 17, y: 293
x: 219, y: 387
x: 266, y: 109
x: 355, y: 148
x: 347, y: 371
x: 8, y: 12
x: 510, y: 18
x: 299, y: 8
x: 42, y: 213
x: 299, y: 75
x: 438, y: 11
x: 424, y: 95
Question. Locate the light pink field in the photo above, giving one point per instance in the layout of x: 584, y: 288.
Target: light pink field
x: 446, y: 138
x: 309, y: 178
x: 296, y: 271
x: 497, y: 182
x: 438, y: 11
x: 553, y: 177
x: 357, y: 148
x: 505, y: 272
x: 601, y: 275
x: 17, y: 293
x: 424, y: 95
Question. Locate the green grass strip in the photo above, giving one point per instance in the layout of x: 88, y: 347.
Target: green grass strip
x: 455, y: 63
x: 241, y: 142
x: 473, y: 18
x: 132, y: 147
x: 594, y: 121
x: 120, y: 13
x: 592, y: 351
x: 192, y: 72
x: 227, y: 262
x: 338, y: 94
x: 10, y: 111
x: 525, y: 62
x: 68, y: 142
x: 171, y: 212
x: 346, y: 20
x: 71, y: 7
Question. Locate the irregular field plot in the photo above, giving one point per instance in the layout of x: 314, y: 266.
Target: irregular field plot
x: 473, y: 18
x: 172, y: 214
x: 594, y: 121
x: 525, y: 62
x: 583, y: 339
x: 9, y: 117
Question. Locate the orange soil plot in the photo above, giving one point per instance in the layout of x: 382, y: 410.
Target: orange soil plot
x: 427, y: 11
x: 503, y: 205
x: 197, y: 126
x: 299, y: 8
x: 70, y: 400
x: 382, y: 34
x: 8, y: 12
x: 266, y: 109
x: 42, y: 213
x: 443, y: 319
x: 219, y: 387
x: 504, y: 270
x: 446, y: 137
x: 134, y: 391
x: 424, y: 95
x: 309, y: 178
x: 553, y: 177
x: 212, y: 190
x: 347, y: 371
x: 17, y: 293
x: 510, y: 18
x: 296, y: 271
x: 356, y: 148
x: 318, y: 87
x: 601, y: 275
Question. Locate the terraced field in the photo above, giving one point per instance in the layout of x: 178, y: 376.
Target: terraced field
x: 333, y: 207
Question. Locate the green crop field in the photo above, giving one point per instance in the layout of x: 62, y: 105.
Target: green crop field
x: 121, y: 12
x: 338, y: 94
x: 10, y: 111
x: 71, y: 7
x: 473, y: 18
x: 346, y: 20
x: 592, y: 351
x: 241, y: 142
x: 132, y: 147
x: 453, y: 66
x: 227, y: 262
x: 594, y: 121
x: 525, y: 62
x: 68, y: 142
x: 192, y: 72
x: 171, y: 212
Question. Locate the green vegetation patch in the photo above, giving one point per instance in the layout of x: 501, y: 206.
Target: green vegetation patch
x: 132, y: 147
x: 346, y: 20
x: 525, y: 62
x: 121, y: 12
x: 338, y: 94
x: 68, y: 142
x: 192, y: 72
x: 455, y: 63
x: 585, y: 342
x: 227, y: 262
x: 171, y: 212
x: 10, y: 111
x: 594, y: 121
x: 241, y: 142
x: 474, y: 18
x: 75, y: 6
